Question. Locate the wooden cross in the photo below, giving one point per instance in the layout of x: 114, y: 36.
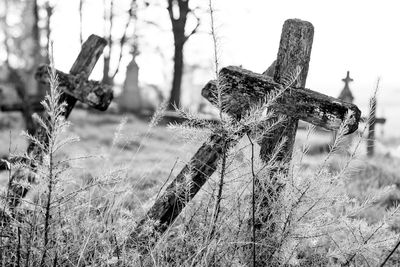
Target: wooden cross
x: 74, y: 86
x: 372, y: 121
x: 244, y: 89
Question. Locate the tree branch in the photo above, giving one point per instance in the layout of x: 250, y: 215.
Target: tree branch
x: 195, y: 28
x: 132, y: 14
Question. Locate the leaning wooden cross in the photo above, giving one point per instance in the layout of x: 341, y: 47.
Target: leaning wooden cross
x: 74, y: 86
x: 244, y: 89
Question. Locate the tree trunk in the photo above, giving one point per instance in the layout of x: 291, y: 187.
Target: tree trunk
x: 26, y: 109
x: 49, y: 14
x: 106, y: 70
x: 175, y: 98
x: 81, y: 2
x: 4, y: 27
x: 36, y: 51
x: 107, y: 78
x: 178, y: 21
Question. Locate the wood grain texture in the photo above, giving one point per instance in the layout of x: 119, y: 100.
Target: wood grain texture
x: 91, y: 50
x: 245, y: 88
x: 294, y: 52
x: 371, y: 127
x: 180, y: 191
x: 93, y: 93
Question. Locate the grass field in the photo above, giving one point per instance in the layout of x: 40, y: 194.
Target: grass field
x: 144, y: 155
x: 150, y: 157
x: 147, y: 156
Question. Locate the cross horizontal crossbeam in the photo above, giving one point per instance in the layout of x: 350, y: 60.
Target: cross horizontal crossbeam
x: 93, y: 93
x: 244, y: 88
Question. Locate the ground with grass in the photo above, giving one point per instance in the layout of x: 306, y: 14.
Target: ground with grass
x: 149, y: 157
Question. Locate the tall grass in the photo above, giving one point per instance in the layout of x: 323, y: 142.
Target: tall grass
x: 64, y: 221
x: 68, y: 221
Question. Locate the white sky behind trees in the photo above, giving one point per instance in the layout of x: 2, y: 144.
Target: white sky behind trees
x: 362, y: 36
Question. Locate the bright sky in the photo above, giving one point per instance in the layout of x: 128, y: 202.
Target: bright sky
x: 362, y: 36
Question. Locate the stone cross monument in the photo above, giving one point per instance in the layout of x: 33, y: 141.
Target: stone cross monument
x: 346, y: 94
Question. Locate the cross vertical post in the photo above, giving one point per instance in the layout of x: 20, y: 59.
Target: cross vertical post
x: 371, y: 128
x: 294, y: 52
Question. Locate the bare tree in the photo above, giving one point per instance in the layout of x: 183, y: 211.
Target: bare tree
x: 109, y: 17
x: 49, y: 14
x: 20, y: 72
x: 81, y: 3
x: 178, y: 12
x: 4, y: 27
x: 36, y: 51
x: 108, y: 14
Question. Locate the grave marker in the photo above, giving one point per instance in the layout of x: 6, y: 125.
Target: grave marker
x: 245, y: 88
x: 347, y: 96
x: 74, y: 86
x: 130, y: 98
x: 372, y: 121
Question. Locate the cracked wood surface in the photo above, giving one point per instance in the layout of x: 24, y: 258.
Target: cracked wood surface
x: 179, y: 192
x: 93, y: 93
x: 243, y: 88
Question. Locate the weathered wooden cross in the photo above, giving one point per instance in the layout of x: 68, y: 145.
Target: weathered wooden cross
x: 74, y: 86
x: 244, y: 89
x: 372, y: 121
